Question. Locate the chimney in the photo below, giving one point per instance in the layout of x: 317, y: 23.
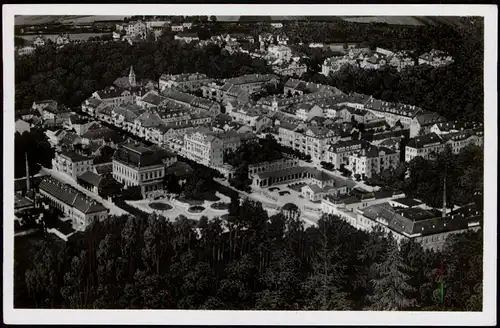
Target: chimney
x: 27, y: 173
x: 443, y: 215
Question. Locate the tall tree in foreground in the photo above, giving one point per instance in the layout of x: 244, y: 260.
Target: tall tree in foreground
x: 390, y: 286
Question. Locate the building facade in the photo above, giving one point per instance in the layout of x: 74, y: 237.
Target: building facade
x: 72, y: 164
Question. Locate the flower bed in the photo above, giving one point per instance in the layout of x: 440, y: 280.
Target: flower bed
x: 160, y: 206
x: 196, y: 209
x: 274, y: 189
x: 220, y: 206
x: 192, y: 202
x: 283, y: 193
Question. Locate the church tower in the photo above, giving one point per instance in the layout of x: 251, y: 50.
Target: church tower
x: 131, y: 77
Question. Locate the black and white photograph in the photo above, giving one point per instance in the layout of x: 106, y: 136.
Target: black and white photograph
x: 252, y: 167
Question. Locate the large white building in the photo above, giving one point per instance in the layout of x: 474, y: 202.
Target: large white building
x: 372, y: 160
x: 207, y: 147
x: 339, y: 152
x: 426, y: 146
x: 312, y: 140
x: 72, y: 164
x: 136, y: 165
x: 81, y: 209
x: 184, y: 82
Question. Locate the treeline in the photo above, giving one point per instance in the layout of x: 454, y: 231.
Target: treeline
x: 257, y: 262
x: 454, y: 91
x: 38, y: 149
x: 72, y: 73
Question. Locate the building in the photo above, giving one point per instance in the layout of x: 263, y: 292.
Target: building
x: 306, y: 111
x: 187, y: 37
x: 136, y: 165
x: 426, y: 146
x: 48, y: 109
x: 393, y: 113
x: 436, y: 58
x: 459, y: 140
x: 177, y: 28
x: 252, y: 83
x: 188, y: 101
x: 39, y: 41
x: 25, y: 51
x: 280, y: 52
x: 245, y: 115
x: 114, y: 95
x: 321, y: 184
x: 453, y: 126
x: 62, y: 39
x: 225, y: 93
x: 81, y: 209
x: 401, y: 60
x: 290, y: 69
x: 372, y: 160
x: 422, y: 123
x: 348, y: 114
x: 346, y: 206
x: 312, y: 140
x: 428, y: 227
x: 80, y: 124
x: 72, y: 164
x: 22, y: 126
x: 183, y: 82
x: 207, y: 147
x: 339, y: 153
x: 334, y: 64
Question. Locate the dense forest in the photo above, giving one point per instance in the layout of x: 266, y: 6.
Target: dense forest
x: 258, y: 262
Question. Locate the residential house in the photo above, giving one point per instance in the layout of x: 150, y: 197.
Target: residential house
x: 393, y: 112
x: 372, y: 160
x: 62, y: 39
x: 339, y: 153
x: 312, y: 140
x: 454, y: 126
x: 252, y: 83
x: 187, y: 37
x: 22, y: 126
x: 71, y: 163
x: 306, y: 111
x: 183, y: 82
x: 39, y: 41
x: 436, y: 58
x: 401, y: 60
x: 177, y: 28
x: 459, y: 140
x: 80, y: 124
x: 321, y: 184
x: 25, y: 51
x: 426, y: 146
x: 421, y: 124
x: 47, y: 109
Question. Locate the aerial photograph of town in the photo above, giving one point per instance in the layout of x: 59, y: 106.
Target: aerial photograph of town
x: 249, y: 163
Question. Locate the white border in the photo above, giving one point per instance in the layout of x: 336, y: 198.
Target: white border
x: 487, y: 317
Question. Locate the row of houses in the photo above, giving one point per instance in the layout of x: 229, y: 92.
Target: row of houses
x: 376, y: 59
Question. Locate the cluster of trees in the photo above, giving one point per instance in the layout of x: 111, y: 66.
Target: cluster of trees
x: 265, y: 150
x: 253, y: 261
x: 424, y: 178
x: 35, y: 144
x: 72, y: 73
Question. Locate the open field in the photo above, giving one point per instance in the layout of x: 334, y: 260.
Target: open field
x: 53, y: 37
x: 39, y: 19
x: 393, y: 20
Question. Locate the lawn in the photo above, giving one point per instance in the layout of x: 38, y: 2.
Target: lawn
x: 160, y: 206
x: 196, y: 209
x: 220, y: 206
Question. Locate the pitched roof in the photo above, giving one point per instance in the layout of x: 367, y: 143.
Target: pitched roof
x: 91, y: 178
x: 74, y: 157
x: 423, y: 141
x: 429, y: 118
x: 137, y: 155
x: 70, y: 196
x: 152, y: 98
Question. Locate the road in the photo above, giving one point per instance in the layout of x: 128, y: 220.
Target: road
x: 113, y: 209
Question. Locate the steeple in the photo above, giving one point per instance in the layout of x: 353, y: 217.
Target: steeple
x: 131, y: 77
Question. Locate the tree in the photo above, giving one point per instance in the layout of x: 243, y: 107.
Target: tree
x: 390, y: 285
x: 213, y: 19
